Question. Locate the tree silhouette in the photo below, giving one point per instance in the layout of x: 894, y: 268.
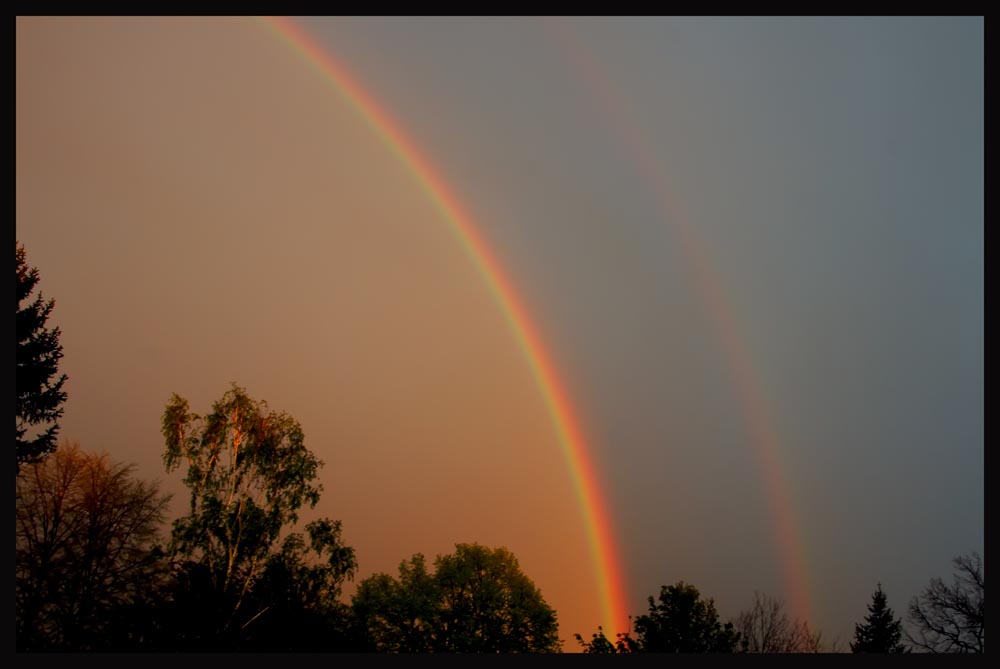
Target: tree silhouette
x: 880, y: 633
x: 249, y: 473
x: 38, y: 391
x: 400, y: 616
x: 599, y: 644
x: 477, y: 601
x: 300, y: 597
x: 766, y: 628
x: 85, y: 533
x: 950, y: 619
x: 682, y: 622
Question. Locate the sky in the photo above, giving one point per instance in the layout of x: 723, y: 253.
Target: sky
x: 751, y: 250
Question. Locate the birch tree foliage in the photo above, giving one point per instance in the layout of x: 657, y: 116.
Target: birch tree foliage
x: 249, y: 473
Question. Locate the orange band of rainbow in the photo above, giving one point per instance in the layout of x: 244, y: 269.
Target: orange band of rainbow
x: 598, y: 524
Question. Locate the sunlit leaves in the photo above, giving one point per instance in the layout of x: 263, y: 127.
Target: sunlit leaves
x: 249, y: 474
x: 477, y: 601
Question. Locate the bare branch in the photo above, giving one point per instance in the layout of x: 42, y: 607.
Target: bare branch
x: 949, y: 619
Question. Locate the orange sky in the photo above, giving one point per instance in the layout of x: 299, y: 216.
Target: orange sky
x: 204, y: 210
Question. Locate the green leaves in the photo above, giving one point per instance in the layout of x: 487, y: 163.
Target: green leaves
x: 250, y: 473
x: 477, y: 601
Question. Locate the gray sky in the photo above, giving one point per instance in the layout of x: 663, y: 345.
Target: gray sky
x: 205, y: 208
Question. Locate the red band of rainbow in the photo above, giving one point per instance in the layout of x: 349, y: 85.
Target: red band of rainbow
x: 598, y: 525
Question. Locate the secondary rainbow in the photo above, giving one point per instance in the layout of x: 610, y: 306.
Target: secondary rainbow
x: 570, y: 437
x: 760, y: 423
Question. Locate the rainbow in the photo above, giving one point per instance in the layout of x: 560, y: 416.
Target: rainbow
x: 756, y: 408
x: 570, y: 437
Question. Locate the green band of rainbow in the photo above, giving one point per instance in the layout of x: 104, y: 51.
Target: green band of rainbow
x: 598, y: 524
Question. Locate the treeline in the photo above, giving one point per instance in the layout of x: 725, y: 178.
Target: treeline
x: 95, y: 573
x: 96, y: 570
x: 943, y: 619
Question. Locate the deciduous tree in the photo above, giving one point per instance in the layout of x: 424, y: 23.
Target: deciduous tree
x: 249, y: 474
x: 766, y: 628
x: 85, y: 547
x: 599, y: 644
x: 400, y: 616
x: 949, y: 619
x: 477, y: 601
x: 298, y: 595
x: 682, y: 622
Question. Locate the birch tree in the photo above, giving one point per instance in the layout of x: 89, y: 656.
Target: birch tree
x: 249, y: 473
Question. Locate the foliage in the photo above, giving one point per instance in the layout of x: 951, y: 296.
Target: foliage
x: 400, y: 616
x: 682, y: 622
x: 299, y: 597
x: 249, y: 473
x: 599, y: 644
x: 84, y: 548
x: 766, y: 628
x: 477, y: 601
x: 38, y: 391
x: 880, y: 633
x: 950, y: 619
x: 489, y: 605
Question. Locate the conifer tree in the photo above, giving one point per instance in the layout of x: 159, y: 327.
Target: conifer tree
x: 880, y: 632
x: 37, y: 384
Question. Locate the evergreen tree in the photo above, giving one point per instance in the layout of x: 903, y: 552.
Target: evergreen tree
x: 880, y: 633
x: 38, y: 390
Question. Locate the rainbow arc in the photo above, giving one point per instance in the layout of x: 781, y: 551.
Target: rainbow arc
x: 600, y: 536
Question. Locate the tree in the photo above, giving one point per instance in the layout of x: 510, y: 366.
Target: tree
x: 599, y: 644
x: 85, y: 547
x: 950, y: 619
x: 477, y: 601
x: 684, y: 623
x: 249, y: 473
x: 766, y: 628
x: 301, y: 596
x: 880, y: 633
x: 400, y: 616
x: 38, y: 390
x: 489, y: 605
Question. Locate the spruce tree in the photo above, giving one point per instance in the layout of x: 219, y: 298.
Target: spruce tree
x: 37, y: 387
x: 880, y: 633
